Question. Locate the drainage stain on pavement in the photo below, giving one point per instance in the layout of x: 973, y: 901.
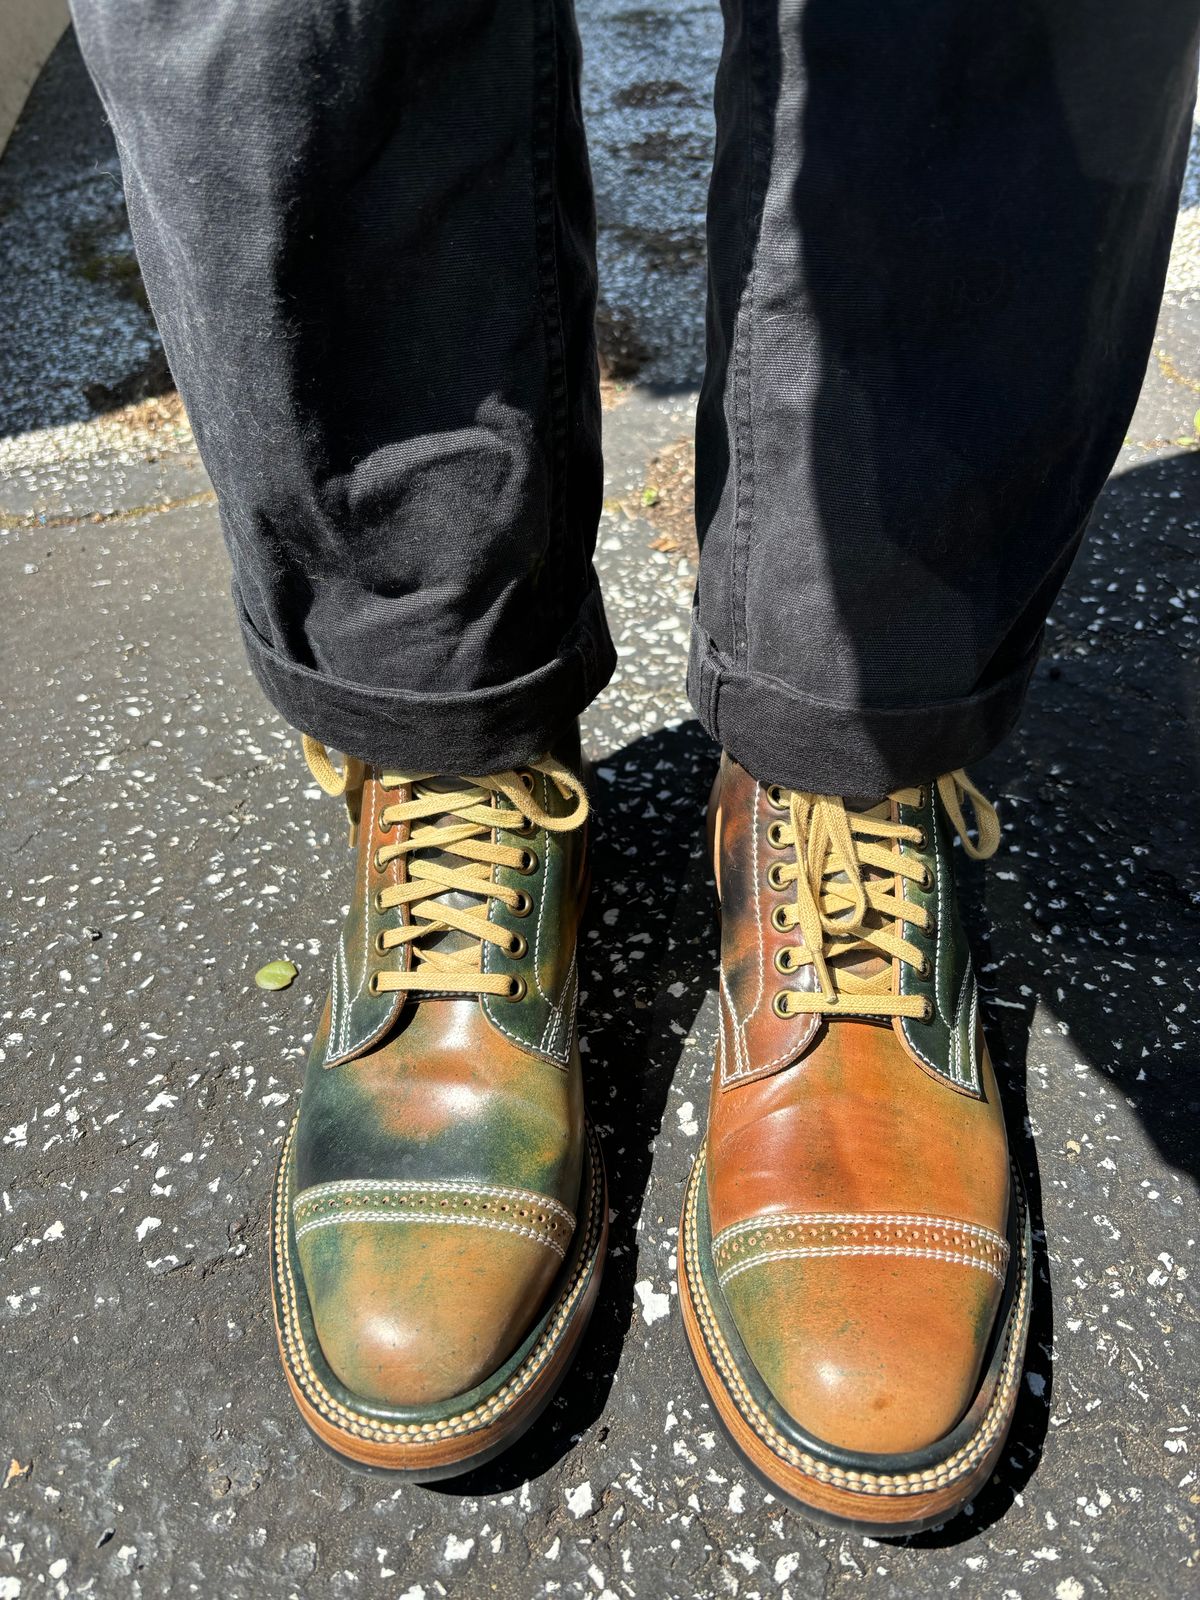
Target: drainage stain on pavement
x: 163, y: 843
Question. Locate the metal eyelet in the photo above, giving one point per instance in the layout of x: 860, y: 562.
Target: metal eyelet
x: 925, y: 968
x: 922, y: 840
x: 529, y: 863
x: 779, y: 1003
x: 927, y: 1012
x: 384, y: 826
x: 377, y: 900
x: 524, y: 904
x: 773, y: 875
x: 380, y: 947
x: 526, y: 781
x: 380, y: 866
x: 783, y: 960
x: 775, y: 797
x: 775, y: 835
x: 517, y: 989
x: 373, y: 984
x: 516, y: 947
x: 778, y: 921
x: 930, y: 929
x: 525, y: 831
x: 925, y: 881
x: 921, y: 797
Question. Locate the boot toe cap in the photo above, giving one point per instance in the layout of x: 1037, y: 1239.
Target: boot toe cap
x: 880, y: 1357
x: 413, y: 1313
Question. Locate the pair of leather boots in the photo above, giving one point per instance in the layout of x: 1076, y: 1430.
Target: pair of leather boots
x: 854, y: 1258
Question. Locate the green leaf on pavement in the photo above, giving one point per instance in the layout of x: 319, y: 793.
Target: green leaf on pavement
x: 275, y: 975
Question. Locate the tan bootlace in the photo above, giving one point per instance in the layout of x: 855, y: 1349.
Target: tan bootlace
x: 849, y: 905
x: 467, y: 818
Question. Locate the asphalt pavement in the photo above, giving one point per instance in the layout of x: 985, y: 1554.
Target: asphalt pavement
x: 161, y: 840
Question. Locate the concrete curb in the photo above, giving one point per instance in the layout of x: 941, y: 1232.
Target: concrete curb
x: 29, y: 30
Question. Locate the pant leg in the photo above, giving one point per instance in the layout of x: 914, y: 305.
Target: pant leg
x: 938, y: 235
x: 366, y: 229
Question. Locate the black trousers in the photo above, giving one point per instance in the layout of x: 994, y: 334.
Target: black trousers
x: 937, y: 231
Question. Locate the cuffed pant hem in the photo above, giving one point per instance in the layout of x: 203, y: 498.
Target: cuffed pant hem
x: 781, y: 735
x: 475, y: 731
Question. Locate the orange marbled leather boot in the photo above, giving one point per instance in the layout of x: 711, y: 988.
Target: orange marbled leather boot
x: 854, y: 1254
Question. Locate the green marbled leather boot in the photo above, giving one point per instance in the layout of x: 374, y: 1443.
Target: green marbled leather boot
x: 439, y: 1215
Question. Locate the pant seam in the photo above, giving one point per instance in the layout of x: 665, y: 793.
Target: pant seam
x: 744, y: 343
x: 745, y: 274
x: 544, y: 169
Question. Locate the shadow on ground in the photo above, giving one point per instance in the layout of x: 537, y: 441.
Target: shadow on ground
x: 1093, y: 905
x: 1086, y: 925
x: 648, y: 962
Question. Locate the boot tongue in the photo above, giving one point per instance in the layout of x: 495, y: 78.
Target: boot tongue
x: 864, y: 964
x: 451, y: 938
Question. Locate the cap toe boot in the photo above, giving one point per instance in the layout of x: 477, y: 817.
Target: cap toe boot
x: 854, y: 1260
x: 439, y: 1221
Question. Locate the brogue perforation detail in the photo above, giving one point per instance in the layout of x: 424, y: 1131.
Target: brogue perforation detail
x: 494, y: 1206
x: 797, y: 1236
